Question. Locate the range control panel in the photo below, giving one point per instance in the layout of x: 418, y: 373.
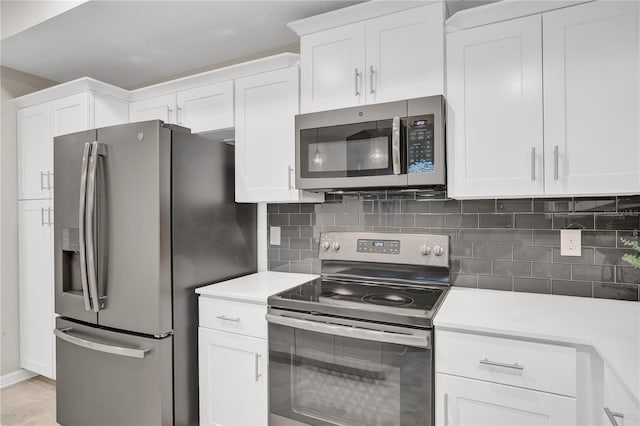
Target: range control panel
x: 379, y: 246
x: 409, y: 249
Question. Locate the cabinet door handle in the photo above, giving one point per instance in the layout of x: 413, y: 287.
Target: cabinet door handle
x: 515, y: 366
x: 49, y: 216
x: 258, y: 367
x: 178, y: 115
x: 555, y: 162
x: 446, y: 409
x: 289, y: 173
x: 371, y: 79
x: 357, y: 79
x: 169, y: 113
x: 612, y: 416
x: 533, y: 163
x: 42, y: 188
x: 225, y: 318
x: 42, y: 223
x: 49, y: 175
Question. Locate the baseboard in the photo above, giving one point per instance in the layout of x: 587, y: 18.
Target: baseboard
x: 16, y: 377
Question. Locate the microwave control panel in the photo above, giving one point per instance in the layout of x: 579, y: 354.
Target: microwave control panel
x: 420, y: 147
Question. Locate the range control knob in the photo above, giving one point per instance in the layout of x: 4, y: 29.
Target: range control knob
x: 438, y: 251
x: 325, y: 245
x: 335, y: 246
x: 425, y: 250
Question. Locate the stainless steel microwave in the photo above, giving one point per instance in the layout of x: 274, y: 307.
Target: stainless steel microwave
x: 395, y: 144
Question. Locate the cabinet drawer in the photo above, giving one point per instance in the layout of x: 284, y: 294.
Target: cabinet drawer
x: 235, y: 317
x: 539, y: 366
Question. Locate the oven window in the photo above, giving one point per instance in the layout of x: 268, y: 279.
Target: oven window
x: 362, y: 149
x: 323, y: 379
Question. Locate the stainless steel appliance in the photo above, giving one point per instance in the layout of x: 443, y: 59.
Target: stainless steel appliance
x: 144, y: 213
x: 394, y: 144
x: 355, y: 347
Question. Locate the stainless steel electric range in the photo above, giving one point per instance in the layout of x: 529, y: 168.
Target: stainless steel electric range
x: 355, y: 346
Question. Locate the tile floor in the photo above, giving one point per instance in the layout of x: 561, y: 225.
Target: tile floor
x: 32, y: 402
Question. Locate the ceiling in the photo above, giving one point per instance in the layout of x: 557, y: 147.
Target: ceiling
x: 133, y: 43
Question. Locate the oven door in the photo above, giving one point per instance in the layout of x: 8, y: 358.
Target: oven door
x: 327, y: 374
x: 337, y: 151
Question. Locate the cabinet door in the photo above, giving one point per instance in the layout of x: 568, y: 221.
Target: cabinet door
x: 591, y: 77
x: 332, y: 66
x: 158, y: 108
x: 404, y: 54
x: 35, y: 268
x: 206, y: 108
x: 35, y: 152
x: 233, y: 378
x: 70, y: 114
x: 619, y: 399
x: 266, y: 105
x: 494, y: 95
x: 461, y: 401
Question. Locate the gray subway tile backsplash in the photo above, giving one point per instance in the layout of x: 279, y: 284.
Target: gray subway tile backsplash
x: 504, y: 244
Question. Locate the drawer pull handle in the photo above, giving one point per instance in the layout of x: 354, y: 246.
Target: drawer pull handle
x: 224, y: 318
x: 612, y: 416
x: 515, y: 366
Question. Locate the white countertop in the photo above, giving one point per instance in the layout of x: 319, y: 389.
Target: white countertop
x: 255, y: 288
x: 611, y: 327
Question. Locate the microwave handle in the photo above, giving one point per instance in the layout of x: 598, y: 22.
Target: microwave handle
x: 395, y: 145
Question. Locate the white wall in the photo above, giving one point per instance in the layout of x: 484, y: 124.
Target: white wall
x: 14, y: 83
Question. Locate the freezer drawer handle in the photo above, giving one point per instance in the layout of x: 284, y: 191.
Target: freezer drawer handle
x: 115, y: 350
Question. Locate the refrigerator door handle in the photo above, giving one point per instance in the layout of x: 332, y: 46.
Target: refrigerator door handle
x: 96, y: 346
x: 81, y: 226
x: 97, y: 150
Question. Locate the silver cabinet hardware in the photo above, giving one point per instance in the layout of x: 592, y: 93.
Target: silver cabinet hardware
x: 257, y: 367
x: 49, y: 175
x: 611, y: 415
x: 101, y: 347
x: 226, y: 318
x: 49, y: 216
x: 81, y: 226
x: 395, y: 145
x: 446, y: 409
x: 371, y: 79
x: 555, y: 162
x: 179, y: 115
x: 417, y: 341
x: 169, y: 114
x: 357, y: 82
x: 42, y: 223
x: 42, y: 188
x: 289, y: 179
x: 515, y: 366
x: 533, y: 163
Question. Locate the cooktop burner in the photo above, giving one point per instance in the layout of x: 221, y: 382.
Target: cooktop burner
x: 388, y: 299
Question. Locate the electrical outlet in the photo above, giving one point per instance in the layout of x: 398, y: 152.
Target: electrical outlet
x: 570, y: 242
x: 274, y: 235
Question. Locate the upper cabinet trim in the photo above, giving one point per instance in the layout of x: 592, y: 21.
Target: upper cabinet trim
x: 352, y: 14
x: 69, y: 88
x: 502, y: 11
x: 244, y: 69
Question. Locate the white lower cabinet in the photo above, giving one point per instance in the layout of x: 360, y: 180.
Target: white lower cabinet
x: 35, y: 268
x: 463, y: 401
x: 233, y: 378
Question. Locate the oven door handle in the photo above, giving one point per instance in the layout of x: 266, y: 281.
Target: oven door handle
x: 418, y: 341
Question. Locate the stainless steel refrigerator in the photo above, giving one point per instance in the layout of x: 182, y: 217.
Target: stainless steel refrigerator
x: 144, y: 214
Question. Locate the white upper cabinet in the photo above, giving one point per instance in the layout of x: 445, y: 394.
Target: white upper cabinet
x: 266, y: 105
x: 591, y: 90
x: 332, y: 68
x: 574, y: 69
x: 494, y: 97
x: 70, y: 114
x: 404, y: 54
x: 158, y: 108
x: 369, y: 53
x: 35, y: 152
x: 206, y: 108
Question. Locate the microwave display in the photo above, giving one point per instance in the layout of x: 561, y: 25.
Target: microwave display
x: 420, y: 146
